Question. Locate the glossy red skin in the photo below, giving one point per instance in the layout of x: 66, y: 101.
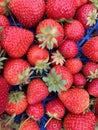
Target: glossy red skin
x: 68, y: 49
x: 29, y: 124
x: 16, y: 108
x: 55, y: 106
x: 16, y: 48
x: 53, y: 24
x: 80, y: 121
x: 35, y: 54
x: 28, y: 13
x: 80, y: 2
x: 74, y: 65
x: 54, y: 124
x: 35, y: 111
x: 58, y: 9
x: 93, y: 87
x: 12, y: 68
x: 82, y: 13
x: 74, y: 30
x: 96, y: 108
x: 37, y: 91
x: 90, y: 49
x: 79, y: 80
x: 76, y: 100
x: 89, y: 67
x: 4, y: 21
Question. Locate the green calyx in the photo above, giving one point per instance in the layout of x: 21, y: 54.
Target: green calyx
x: 95, y: 3
x: 53, y: 115
x: 92, y: 17
x: 2, y: 58
x: 48, y: 37
x: 93, y: 75
x: 54, y: 82
x: 64, y: 20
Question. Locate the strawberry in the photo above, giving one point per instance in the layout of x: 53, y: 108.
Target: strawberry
x: 96, y: 107
x: 4, y: 21
x: 84, y: 121
x: 90, y: 49
x: 54, y: 124
x: 35, y: 111
x: 4, y: 10
x: 17, y: 103
x: 68, y: 49
x: 79, y: 3
x: 16, y: 48
x: 3, y: 94
x: 37, y: 91
x: 38, y: 57
x: 79, y: 80
x: 93, y: 87
x: 58, y: 79
x: 16, y: 71
x: 55, y: 109
x: 63, y: 9
x: 90, y: 70
x: 74, y: 65
x: 76, y: 100
x: 28, y: 13
x: 49, y: 33
x: 87, y: 15
x: 74, y: 30
x: 29, y: 124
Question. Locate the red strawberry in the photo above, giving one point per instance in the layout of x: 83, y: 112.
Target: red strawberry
x: 90, y: 70
x: 58, y: 79
x: 76, y: 100
x: 4, y: 7
x: 93, y: 87
x: 38, y: 57
x: 17, y: 103
x: 55, y: 109
x: 29, y: 124
x: 87, y: 15
x: 37, y: 91
x: 68, y: 49
x: 54, y: 124
x: 90, y: 49
x: 60, y: 9
x: 84, y: 121
x: 4, y: 21
x: 74, y: 30
x: 16, y: 71
x: 79, y: 80
x: 96, y: 107
x: 16, y: 48
x: 35, y: 111
x: 49, y: 33
x: 80, y: 2
x: 74, y: 65
x: 28, y: 13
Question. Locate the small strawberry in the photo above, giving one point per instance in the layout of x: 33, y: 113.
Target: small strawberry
x: 16, y: 71
x: 84, y: 121
x: 37, y: 91
x: 90, y: 49
x: 58, y: 79
x: 16, y: 48
x: 63, y: 9
x: 74, y: 30
x: 49, y: 33
x: 35, y: 111
x: 74, y: 65
x: 68, y: 49
x: 93, y: 87
x: 79, y: 3
x: 76, y: 100
x: 79, y: 80
x: 87, y: 15
x: 54, y: 124
x: 29, y: 124
x: 4, y: 21
x: 28, y: 13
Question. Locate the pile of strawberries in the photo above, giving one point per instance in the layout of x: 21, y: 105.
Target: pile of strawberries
x: 41, y: 60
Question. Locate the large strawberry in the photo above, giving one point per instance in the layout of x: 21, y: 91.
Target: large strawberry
x: 60, y: 9
x: 28, y: 13
x: 84, y: 121
x: 16, y: 71
x: 90, y: 49
x: 50, y: 34
x: 16, y: 41
x: 76, y: 100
